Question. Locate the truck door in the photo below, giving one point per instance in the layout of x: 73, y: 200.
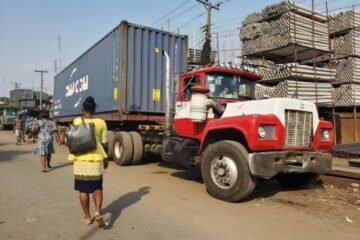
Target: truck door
x: 182, y: 122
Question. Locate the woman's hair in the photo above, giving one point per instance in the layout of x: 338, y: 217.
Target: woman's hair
x: 89, y: 105
x: 44, y: 114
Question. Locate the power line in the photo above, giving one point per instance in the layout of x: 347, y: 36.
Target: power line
x: 172, y: 11
x: 181, y: 13
x: 191, y: 20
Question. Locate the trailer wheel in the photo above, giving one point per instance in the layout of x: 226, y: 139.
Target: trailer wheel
x: 63, y: 138
x: 138, y: 147
x: 122, y: 149
x: 225, y: 171
x: 111, y: 136
x: 293, y: 180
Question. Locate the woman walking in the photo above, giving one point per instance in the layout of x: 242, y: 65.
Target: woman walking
x: 45, y: 146
x: 88, y: 167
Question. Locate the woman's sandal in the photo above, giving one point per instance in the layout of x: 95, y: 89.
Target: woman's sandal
x: 100, y: 220
x: 87, y: 221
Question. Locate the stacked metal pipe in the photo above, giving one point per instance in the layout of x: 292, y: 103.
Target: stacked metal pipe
x: 262, y: 66
x: 347, y: 70
x: 345, y: 33
x: 278, y: 9
x: 344, y: 21
x: 300, y: 72
x: 319, y: 93
x: 252, y: 18
x: 290, y: 28
x: 347, y: 44
x: 346, y: 95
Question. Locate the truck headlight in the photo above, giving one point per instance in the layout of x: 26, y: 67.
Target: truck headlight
x: 266, y: 131
x: 324, y: 134
x: 261, y: 132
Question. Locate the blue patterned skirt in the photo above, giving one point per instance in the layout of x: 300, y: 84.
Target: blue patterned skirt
x: 44, y: 147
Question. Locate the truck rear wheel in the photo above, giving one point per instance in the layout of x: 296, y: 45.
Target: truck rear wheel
x: 111, y: 136
x: 122, y: 149
x: 225, y: 171
x: 294, y: 180
x: 138, y: 147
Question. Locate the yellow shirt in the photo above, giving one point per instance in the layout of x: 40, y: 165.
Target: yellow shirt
x: 99, y: 153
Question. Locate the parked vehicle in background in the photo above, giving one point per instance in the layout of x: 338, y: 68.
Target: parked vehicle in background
x: 205, y: 117
x: 7, y: 117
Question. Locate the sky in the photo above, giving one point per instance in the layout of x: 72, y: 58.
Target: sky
x: 29, y: 29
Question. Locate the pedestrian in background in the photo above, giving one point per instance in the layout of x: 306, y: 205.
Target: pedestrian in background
x: 89, y: 167
x: 18, y: 129
x: 45, y: 146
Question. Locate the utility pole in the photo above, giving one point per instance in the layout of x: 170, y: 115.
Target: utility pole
x: 206, y: 51
x: 41, y: 83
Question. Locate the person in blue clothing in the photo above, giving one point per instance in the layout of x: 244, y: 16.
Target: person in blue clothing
x: 45, y: 147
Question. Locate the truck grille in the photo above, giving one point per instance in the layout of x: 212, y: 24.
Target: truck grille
x: 298, y: 128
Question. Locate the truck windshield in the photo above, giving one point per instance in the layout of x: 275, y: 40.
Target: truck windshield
x: 10, y: 112
x: 229, y: 86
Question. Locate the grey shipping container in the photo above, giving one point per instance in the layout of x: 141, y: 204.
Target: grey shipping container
x: 124, y: 72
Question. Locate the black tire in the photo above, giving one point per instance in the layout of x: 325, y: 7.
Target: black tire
x: 243, y: 184
x: 1, y: 126
x: 63, y: 138
x: 185, y: 152
x: 111, y: 136
x: 138, y: 147
x: 164, y: 149
x: 292, y: 180
x: 122, y: 149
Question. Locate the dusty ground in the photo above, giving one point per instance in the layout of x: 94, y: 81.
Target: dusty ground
x: 158, y: 201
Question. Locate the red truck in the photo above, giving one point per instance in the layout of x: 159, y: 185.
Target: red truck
x: 209, y: 118
x: 234, y: 139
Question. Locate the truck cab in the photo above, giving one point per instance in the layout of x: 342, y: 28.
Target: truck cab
x: 236, y: 139
x: 7, y: 118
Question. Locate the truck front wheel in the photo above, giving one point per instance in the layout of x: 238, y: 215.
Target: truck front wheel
x: 293, y: 180
x: 225, y: 171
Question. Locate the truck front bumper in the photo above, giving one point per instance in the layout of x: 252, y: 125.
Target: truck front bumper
x: 268, y: 164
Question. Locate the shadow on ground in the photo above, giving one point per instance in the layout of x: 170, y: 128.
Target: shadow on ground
x: 116, y: 207
x: 4, y: 143
x: 269, y: 188
x: 6, y: 156
x: 264, y: 188
x: 61, y: 165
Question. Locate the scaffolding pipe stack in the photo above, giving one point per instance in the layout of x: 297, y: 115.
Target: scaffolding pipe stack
x: 289, y: 29
x: 345, y: 33
x: 319, y: 93
x: 278, y: 9
x: 295, y: 71
x: 282, y: 25
x: 289, y: 33
x: 347, y: 95
x: 344, y: 21
x: 347, y: 70
x: 347, y: 44
x: 262, y: 66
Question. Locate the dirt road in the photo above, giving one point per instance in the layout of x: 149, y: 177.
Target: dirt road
x: 157, y: 201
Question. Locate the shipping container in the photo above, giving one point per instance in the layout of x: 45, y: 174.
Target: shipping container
x: 124, y: 72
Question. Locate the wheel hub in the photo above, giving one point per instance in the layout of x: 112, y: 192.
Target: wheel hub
x: 224, y: 171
